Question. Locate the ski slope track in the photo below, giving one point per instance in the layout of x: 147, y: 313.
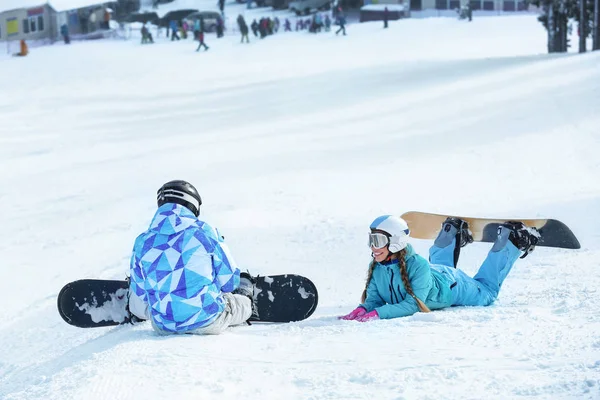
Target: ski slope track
x: 296, y: 143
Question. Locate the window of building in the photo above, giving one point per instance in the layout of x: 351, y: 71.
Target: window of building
x: 26, y: 25
x: 475, y: 5
x: 441, y: 4
x: 35, y: 19
x: 12, y: 26
x: 508, y: 5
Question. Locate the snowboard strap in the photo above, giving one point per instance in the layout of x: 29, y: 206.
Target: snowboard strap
x: 457, y: 243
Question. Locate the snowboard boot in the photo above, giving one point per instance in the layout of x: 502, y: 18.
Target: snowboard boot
x: 524, y: 238
x: 463, y: 234
x: 454, y: 229
x: 246, y: 288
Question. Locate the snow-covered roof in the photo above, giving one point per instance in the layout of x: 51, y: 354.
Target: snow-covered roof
x: 66, y: 5
x: 58, y: 5
x: 7, y: 5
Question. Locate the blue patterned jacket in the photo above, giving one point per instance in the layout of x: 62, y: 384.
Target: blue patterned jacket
x: 180, y: 267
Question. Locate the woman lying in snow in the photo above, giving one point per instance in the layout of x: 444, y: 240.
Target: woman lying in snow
x: 400, y: 282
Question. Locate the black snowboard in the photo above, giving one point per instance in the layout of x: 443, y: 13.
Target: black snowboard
x: 284, y: 298
x: 91, y: 303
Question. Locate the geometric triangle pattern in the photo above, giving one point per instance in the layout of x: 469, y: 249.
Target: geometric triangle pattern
x: 180, y: 267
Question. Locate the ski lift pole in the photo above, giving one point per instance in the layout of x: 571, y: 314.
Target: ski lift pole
x: 582, y: 30
x: 596, y: 33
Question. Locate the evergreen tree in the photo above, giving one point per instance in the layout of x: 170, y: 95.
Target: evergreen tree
x: 555, y: 18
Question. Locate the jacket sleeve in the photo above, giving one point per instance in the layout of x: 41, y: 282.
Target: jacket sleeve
x: 419, y: 275
x: 373, y: 299
x: 226, y: 270
x: 137, y: 291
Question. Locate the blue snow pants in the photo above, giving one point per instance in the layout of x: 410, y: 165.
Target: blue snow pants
x: 483, y: 288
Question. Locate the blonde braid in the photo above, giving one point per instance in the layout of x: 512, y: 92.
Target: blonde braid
x: 406, y: 281
x: 369, y: 276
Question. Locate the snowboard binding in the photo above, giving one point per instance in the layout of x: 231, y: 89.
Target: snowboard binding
x: 524, y: 238
x: 246, y: 288
x: 463, y: 235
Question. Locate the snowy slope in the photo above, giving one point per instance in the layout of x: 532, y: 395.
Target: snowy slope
x: 296, y: 143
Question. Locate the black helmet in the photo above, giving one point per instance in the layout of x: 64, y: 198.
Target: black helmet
x: 180, y: 192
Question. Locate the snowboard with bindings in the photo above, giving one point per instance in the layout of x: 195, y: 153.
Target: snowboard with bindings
x: 553, y: 233
x: 92, y: 303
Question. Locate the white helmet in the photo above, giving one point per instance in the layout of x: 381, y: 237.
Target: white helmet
x: 396, y: 229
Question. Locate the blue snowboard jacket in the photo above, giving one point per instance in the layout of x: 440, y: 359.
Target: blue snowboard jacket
x: 386, y: 292
x: 180, y: 267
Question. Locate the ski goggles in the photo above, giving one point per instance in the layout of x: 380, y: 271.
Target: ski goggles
x: 378, y: 240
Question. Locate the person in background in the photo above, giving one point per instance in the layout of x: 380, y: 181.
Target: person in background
x: 243, y: 28
x: 64, y: 31
x: 146, y: 35
x: 327, y: 23
x: 184, y: 29
x: 197, y: 26
x: 24, y: 50
x: 220, y: 27
x: 386, y: 17
x: 174, y: 30
x: 106, y: 22
x: 341, y: 21
x: 200, y: 37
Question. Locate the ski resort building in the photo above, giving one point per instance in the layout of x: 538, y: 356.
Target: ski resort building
x: 42, y: 19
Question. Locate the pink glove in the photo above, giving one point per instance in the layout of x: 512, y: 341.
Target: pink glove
x: 357, y: 312
x: 368, y: 317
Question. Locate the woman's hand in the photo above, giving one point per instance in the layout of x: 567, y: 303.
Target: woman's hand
x: 373, y: 315
x: 357, y: 312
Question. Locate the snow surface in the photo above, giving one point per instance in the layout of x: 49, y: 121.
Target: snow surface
x: 296, y: 143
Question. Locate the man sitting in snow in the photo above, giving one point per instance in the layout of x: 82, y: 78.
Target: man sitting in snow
x: 183, y: 277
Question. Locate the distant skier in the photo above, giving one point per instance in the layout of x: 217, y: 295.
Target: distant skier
x: 254, y: 27
x: 197, y: 28
x: 341, y: 21
x: 64, y: 31
x: 243, y: 28
x: 146, y: 35
x: 24, y: 50
x: 200, y: 35
x: 220, y: 27
x: 200, y: 39
x: 401, y: 283
x: 174, y: 30
x: 182, y: 275
x: 386, y: 17
x: 327, y: 23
